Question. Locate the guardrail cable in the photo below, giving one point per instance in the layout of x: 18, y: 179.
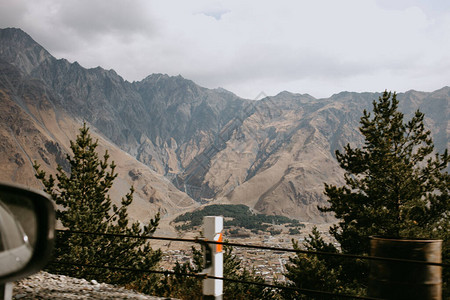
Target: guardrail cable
x: 197, y: 240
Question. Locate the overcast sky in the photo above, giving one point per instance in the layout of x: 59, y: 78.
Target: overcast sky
x: 247, y: 47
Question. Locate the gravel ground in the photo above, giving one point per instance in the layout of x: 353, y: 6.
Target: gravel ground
x: 44, y: 285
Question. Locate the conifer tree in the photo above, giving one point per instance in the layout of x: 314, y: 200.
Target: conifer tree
x: 310, y: 271
x: 395, y: 186
x: 85, y: 205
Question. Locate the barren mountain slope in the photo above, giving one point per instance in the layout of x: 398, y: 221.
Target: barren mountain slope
x: 273, y: 155
x: 278, y: 158
x: 163, y: 121
x: 31, y: 129
x: 288, y: 153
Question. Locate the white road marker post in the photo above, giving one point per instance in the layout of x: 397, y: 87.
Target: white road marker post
x: 212, y: 229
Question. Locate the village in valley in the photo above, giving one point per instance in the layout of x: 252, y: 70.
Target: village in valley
x: 267, y: 263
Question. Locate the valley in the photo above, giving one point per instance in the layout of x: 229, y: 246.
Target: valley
x: 181, y: 145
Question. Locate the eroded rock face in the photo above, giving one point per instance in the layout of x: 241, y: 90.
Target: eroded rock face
x: 33, y: 127
x: 277, y: 158
x: 273, y: 155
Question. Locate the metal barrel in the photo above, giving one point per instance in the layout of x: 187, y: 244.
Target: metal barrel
x: 400, y: 280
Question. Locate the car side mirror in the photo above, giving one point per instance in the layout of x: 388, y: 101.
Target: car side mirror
x: 27, y: 227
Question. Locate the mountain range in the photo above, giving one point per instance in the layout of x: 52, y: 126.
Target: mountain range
x: 182, y: 145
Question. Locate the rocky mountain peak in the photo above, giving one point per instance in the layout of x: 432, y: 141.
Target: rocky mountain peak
x: 272, y: 154
x: 19, y: 49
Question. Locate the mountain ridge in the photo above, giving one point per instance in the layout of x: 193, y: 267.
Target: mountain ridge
x: 272, y: 154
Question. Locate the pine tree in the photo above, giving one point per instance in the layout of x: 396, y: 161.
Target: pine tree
x: 85, y: 205
x: 310, y: 271
x: 394, y: 186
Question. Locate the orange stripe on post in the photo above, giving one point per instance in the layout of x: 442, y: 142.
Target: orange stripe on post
x: 219, y: 246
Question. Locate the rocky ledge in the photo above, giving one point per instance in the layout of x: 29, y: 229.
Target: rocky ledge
x: 44, y: 285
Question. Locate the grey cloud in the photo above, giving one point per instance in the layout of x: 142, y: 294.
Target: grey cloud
x: 244, y: 46
x: 277, y: 65
x: 91, y: 19
x: 11, y: 12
